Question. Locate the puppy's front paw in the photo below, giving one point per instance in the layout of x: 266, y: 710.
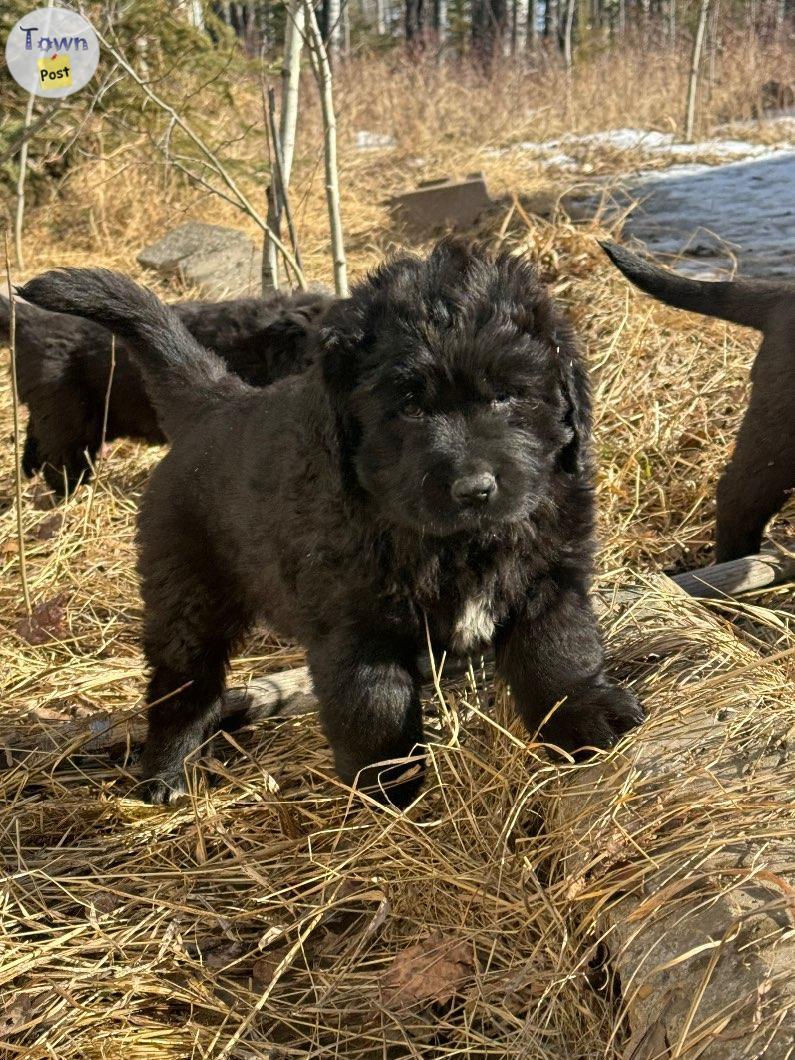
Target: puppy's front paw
x: 162, y: 790
x: 594, y: 718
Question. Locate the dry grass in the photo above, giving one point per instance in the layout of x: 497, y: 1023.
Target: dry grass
x: 261, y: 917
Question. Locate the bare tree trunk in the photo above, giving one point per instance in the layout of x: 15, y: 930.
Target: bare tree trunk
x: 281, y: 183
x: 520, y: 17
x: 291, y: 78
x: 568, y: 33
x: 322, y: 70
x: 440, y: 20
x: 695, y: 63
x: 333, y: 29
x: 532, y: 23
x: 345, y: 27
x: 291, y: 75
x: 380, y: 17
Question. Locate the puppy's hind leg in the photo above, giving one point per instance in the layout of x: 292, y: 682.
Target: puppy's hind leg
x: 755, y: 484
x: 190, y: 627
x: 368, y: 689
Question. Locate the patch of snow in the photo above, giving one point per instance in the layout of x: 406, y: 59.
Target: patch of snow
x: 364, y: 140
x: 644, y: 141
x: 740, y: 211
x: 625, y: 139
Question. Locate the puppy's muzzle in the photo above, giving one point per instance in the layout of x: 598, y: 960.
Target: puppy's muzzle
x: 474, y: 491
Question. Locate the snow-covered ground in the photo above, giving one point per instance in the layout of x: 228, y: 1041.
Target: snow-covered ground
x: 714, y: 215
x: 567, y: 152
x: 734, y: 210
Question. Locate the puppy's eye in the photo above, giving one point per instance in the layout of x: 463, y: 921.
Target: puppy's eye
x: 502, y: 397
x: 412, y: 410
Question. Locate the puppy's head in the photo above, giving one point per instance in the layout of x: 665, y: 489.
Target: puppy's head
x: 459, y: 391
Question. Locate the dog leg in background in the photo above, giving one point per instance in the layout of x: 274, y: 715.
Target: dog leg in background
x: 761, y: 473
x: 368, y: 692
x: 558, y: 653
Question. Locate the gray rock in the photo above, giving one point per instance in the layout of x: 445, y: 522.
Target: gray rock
x: 221, y: 262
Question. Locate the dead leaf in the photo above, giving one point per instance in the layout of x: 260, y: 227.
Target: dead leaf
x: 48, y: 529
x: 105, y: 902
x: 46, y: 623
x: 10, y: 546
x: 218, y: 955
x: 430, y: 971
x: 264, y: 969
x: 650, y: 1043
x: 14, y: 1014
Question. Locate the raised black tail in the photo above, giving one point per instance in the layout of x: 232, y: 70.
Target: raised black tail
x: 749, y: 302
x: 182, y: 377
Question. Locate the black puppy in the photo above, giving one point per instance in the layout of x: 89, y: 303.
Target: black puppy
x: 761, y: 474
x: 432, y: 464
x: 63, y: 368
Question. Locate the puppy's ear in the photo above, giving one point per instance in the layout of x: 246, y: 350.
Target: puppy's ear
x: 575, y: 385
x: 341, y: 336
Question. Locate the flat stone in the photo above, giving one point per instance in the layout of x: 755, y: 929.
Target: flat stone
x: 222, y: 262
x: 442, y: 203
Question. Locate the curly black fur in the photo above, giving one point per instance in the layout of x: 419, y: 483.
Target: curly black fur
x: 63, y: 366
x: 431, y: 464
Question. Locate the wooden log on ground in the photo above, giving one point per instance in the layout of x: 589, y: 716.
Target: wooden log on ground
x: 770, y: 567
x: 679, y: 856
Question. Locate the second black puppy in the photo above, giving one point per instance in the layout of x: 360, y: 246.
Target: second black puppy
x: 433, y: 463
x: 64, y: 366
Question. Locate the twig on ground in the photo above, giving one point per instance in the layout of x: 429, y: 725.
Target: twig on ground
x: 100, y: 451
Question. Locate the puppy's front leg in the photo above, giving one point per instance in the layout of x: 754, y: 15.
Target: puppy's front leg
x: 557, y: 653
x: 368, y: 689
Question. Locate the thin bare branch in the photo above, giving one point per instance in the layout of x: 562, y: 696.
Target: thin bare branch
x: 241, y: 199
x: 12, y: 342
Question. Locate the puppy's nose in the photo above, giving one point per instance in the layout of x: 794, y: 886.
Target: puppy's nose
x: 474, y: 489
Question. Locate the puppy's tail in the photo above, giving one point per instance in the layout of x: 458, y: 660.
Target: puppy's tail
x: 749, y: 302
x: 182, y: 378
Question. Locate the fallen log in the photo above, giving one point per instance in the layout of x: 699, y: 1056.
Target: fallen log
x: 679, y: 859
x: 769, y: 567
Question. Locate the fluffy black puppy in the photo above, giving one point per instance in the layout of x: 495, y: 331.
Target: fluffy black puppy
x: 432, y: 463
x: 63, y: 367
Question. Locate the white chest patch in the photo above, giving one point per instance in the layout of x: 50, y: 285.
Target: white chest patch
x: 475, y: 625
